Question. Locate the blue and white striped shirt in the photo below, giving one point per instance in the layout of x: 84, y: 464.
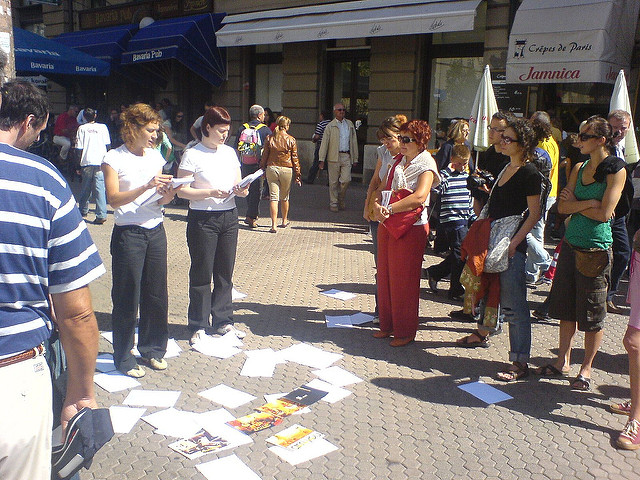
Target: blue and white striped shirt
x: 456, y: 204
x: 45, y: 247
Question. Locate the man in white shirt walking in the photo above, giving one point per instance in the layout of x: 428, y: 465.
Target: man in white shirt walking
x: 92, y: 143
x: 339, y: 148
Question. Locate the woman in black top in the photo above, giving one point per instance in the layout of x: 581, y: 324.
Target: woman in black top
x: 517, y: 192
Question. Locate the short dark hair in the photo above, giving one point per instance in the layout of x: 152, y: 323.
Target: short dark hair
x: 215, y: 116
x: 500, y: 115
x: 89, y: 114
x: 19, y: 100
x: 461, y: 151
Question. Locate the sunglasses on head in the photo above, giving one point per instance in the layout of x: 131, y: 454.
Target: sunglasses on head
x: 405, y: 139
x: 585, y: 136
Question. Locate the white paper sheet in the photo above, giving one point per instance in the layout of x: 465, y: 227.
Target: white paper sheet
x: 152, y: 398
x: 227, y: 396
x: 360, y: 318
x: 227, y: 467
x: 236, y: 295
x: 214, y: 417
x: 173, y: 349
x: 174, y: 423
x: 124, y: 418
x: 339, y: 294
x: 338, y: 321
x: 309, y: 355
x: 104, y: 363
x: 115, y: 381
x: 337, y: 376
x: 108, y: 336
x: 275, y: 396
x: 219, y: 347
x: 260, y: 363
x: 335, y: 393
x: 308, y: 451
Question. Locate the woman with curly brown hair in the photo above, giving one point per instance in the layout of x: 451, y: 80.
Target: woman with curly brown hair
x: 584, y: 264
x: 281, y: 166
x: 133, y: 172
x: 515, y: 193
x: 400, y: 259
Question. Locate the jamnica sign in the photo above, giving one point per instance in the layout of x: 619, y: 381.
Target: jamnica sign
x: 537, y: 74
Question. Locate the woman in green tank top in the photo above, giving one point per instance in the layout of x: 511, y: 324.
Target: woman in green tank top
x: 584, y: 264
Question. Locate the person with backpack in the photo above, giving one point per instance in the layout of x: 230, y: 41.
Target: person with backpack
x: 250, y: 139
x: 584, y: 264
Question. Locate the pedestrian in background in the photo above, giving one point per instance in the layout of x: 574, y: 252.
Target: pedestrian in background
x: 138, y: 242
x: 323, y: 120
x: 212, y: 225
x: 280, y: 162
x: 92, y: 143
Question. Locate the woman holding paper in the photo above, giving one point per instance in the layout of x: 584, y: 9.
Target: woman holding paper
x: 133, y: 174
x: 212, y: 225
x: 400, y: 258
x: 280, y: 161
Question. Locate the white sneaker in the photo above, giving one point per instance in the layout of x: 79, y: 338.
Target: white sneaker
x: 197, y: 336
x: 230, y: 328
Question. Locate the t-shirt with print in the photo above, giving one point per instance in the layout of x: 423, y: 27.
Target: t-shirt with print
x: 511, y: 198
x: 134, y: 171
x: 217, y: 168
x: 92, y: 139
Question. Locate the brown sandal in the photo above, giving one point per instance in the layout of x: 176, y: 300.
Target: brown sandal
x: 515, y: 372
x: 467, y: 341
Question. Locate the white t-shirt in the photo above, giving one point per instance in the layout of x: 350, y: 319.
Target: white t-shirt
x: 217, y: 168
x: 386, y: 162
x: 134, y: 171
x: 92, y: 139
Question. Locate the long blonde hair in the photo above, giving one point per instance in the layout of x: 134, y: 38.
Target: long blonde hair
x: 282, y: 125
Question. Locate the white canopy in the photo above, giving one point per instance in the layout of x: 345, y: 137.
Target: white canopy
x: 571, y: 41
x: 360, y: 19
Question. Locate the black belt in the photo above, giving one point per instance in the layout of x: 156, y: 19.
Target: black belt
x: 344, y: 152
x: 21, y: 357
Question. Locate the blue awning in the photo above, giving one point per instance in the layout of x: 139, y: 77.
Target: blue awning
x: 34, y: 53
x: 189, y: 40
x: 104, y: 43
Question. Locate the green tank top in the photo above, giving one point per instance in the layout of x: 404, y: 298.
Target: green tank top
x: 584, y: 232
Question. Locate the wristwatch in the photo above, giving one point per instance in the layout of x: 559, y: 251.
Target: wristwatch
x: 390, y: 209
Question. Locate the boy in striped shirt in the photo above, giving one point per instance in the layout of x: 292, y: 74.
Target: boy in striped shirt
x: 456, y: 209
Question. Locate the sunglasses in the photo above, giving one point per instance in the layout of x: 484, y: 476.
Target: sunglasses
x: 406, y: 140
x: 507, y: 140
x: 585, y: 136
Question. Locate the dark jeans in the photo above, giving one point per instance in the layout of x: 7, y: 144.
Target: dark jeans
x: 139, y: 266
x: 212, y: 238
x: 452, y: 265
x: 313, y: 171
x: 621, y: 254
x: 253, y: 199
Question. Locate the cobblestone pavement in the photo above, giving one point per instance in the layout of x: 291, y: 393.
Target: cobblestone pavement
x: 407, y: 419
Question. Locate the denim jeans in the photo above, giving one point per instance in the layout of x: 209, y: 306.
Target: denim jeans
x: 538, y: 259
x: 93, y: 182
x: 514, y: 307
x: 621, y: 254
x: 452, y: 265
x: 139, y: 269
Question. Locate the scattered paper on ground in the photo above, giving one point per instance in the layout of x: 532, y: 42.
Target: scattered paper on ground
x: 236, y: 295
x: 174, y: 423
x: 335, y: 393
x: 152, y: 398
x: 484, y: 392
x: 227, y: 396
x: 339, y: 294
x: 219, y: 347
x: 360, y: 318
x: 308, y: 451
x: 115, y: 381
x: 209, y: 441
x: 337, y: 376
x: 208, y: 420
x: 124, y: 418
x: 347, y: 321
x: 276, y: 396
x: 227, y: 467
x: 104, y: 363
x: 260, y: 363
x: 173, y: 349
x: 294, y: 437
x: 309, y: 355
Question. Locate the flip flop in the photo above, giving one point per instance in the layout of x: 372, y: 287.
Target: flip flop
x: 284, y: 225
x: 581, y: 383
x: 273, y: 230
x: 549, y: 370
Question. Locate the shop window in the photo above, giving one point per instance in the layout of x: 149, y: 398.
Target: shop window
x: 267, y: 62
x: 454, y: 82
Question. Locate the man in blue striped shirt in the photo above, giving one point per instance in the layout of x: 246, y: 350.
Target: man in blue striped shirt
x: 46, y: 253
x: 455, y: 212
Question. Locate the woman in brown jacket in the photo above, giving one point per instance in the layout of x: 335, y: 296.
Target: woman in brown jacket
x: 280, y: 161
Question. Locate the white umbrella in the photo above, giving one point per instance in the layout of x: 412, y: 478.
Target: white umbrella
x: 620, y: 101
x: 484, y: 106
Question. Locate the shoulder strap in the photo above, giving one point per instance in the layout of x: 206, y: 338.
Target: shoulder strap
x: 246, y: 125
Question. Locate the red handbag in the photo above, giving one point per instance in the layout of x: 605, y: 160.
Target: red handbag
x: 399, y: 223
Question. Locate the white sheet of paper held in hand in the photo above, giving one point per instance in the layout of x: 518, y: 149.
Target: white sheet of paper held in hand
x: 147, y: 198
x: 248, y: 180
x: 386, y: 196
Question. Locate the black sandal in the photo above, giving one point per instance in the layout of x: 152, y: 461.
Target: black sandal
x: 468, y: 343
x: 513, y: 374
x: 581, y: 383
x: 550, y: 370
